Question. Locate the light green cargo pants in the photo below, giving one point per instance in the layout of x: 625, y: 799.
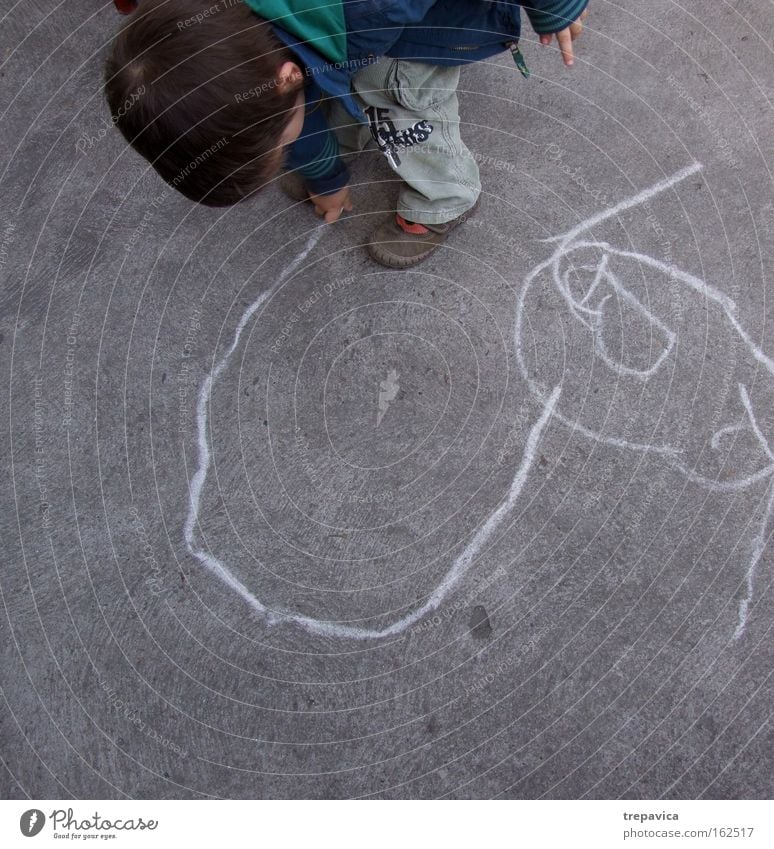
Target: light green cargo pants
x: 413, y: 116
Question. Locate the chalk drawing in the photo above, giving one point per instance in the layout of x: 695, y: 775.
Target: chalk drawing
x: 202, y: 408
x: 592, y: 317
x: 274, y: 615
x: 582, y: 308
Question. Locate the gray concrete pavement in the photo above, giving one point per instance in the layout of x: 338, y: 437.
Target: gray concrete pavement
x: 606, y: 632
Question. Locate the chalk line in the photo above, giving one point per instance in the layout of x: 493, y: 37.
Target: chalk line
x: 759, y: 546
x: 635, y: 200
x: 462, y: 563
x: 729, y: 308
x: 197, y: 481
x: 465, y: 560
x: 761, y: 538
x: 319, y: 626
x: 593, y: 320
x: 568, y: 244
x: 743, y: 394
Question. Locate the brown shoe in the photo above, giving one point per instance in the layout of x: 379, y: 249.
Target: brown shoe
x: 398, y: 243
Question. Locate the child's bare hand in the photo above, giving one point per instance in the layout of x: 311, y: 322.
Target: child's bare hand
x: 330, y: 207
x: 566, y: 37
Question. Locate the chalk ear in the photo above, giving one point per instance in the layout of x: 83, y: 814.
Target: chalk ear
x: 288, y: 77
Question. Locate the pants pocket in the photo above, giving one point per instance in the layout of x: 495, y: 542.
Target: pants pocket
x: 418, y: 86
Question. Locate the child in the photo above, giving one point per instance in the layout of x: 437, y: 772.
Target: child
x: 234, y: 91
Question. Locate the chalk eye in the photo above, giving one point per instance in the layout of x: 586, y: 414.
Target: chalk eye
x: 628, y: 337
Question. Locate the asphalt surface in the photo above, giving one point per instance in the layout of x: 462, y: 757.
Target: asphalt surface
x: 498, y: 526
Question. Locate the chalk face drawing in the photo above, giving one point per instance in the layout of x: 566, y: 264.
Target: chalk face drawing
x: 630, y: 346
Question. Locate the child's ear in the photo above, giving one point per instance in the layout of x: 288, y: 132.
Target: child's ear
x: 288, y: 77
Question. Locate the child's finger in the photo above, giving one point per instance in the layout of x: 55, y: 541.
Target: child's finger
x: 565, y: 45
x: 545, y: 39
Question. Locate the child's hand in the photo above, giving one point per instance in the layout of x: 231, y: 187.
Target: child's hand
x: 566, y: 37
x: 331, y: 206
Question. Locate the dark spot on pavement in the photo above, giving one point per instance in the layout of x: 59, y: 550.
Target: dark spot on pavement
x: 480, y: 626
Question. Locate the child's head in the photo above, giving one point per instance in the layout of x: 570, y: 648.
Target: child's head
x: 207, y: 94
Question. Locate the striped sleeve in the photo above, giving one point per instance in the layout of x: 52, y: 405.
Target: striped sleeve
x: 550, y: 16
x: 315, y: 154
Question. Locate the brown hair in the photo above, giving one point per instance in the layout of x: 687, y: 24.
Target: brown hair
x: 193, y: 89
